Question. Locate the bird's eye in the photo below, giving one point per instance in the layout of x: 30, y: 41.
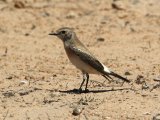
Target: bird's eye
x: 63, y: 32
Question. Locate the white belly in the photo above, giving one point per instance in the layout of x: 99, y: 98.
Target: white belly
x: 82, y: 65
x: 75, y: 60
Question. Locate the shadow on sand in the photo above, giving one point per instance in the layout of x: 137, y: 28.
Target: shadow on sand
x: 76, y: 91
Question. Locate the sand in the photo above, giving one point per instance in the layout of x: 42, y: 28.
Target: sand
x: 37, y: 79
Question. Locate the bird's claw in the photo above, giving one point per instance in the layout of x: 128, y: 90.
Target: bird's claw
x: 86, y: 90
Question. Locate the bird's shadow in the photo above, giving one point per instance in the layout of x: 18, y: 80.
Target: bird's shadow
x: 76, y: 91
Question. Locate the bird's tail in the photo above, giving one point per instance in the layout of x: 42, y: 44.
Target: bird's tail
x: 107, y: 73
x: 118, y: 76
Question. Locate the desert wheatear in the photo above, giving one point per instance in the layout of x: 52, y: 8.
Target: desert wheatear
x: 81, y: 57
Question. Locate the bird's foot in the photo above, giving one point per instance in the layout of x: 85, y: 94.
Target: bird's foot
x: 86, y: 91
x: 80, y: 90
x: 77, y: 91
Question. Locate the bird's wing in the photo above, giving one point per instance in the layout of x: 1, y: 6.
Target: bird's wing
x: 88, y: 58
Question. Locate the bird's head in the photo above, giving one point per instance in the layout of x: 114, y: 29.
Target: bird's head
x: 64, y: 33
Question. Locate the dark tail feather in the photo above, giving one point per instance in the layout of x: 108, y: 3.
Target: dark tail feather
x: 107, y: 77
x: 118, y: 76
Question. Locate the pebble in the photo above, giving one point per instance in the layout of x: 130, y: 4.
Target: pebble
x: 19, y: 4
x: 22, y: 82
x: 147, y: 113
x: 45, y: 14
x: 77, y: 111
x: 100, y: 39
x: 157, y: 79
x: 103, y: 22
x: 71, y: 15
x: 9, y: 77
x: 156, y: 117
x: 140, y: 79
x: 119, y: 5
x: 24, y: 92
x: 155, y: 86
x: 26, y: 34
x: 8, y: 93
x: 145, y: 86
x: 134, y: 2
x: 127, y: 73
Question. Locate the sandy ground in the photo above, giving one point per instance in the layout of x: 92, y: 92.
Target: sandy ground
x: 36, y: 77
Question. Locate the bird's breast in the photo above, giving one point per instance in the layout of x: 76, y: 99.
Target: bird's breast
x: 80, y: 64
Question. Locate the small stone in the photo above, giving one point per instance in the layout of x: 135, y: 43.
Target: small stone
x: 5, y: 52
x: 103, y: 22
x: 122, y: 15
x: 127, y: 73
x: 135, y: 2
x: 156, y: 117
x: 45, y: 14
x: 71, y: 15
x: 119, y: 5
x: 155, y: 86
x: 22, y: 82
x: 145, y: 86
x: 140, y: 79
x: 100, y: 39
x: 157, y: 79
x: 26, y: 34
x: 23, y: 92
x: 9, y: 77
x: 33, y: 27
x: 56, y: 94
x: 8, y: 94
x: 84, y: 103
x: 46, y: 101
x: 147, y: 113
x: 19, y: 4
x: 54, y: 75
x: 77, y: 111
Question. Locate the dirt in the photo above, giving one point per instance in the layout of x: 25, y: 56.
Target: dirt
x: 37, y: 79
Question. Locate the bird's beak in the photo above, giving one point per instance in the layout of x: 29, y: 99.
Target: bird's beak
x: 53, y: 33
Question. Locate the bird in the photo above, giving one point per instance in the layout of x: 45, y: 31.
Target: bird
x: 82, y: 58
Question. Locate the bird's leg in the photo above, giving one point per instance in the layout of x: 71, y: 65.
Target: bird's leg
x: 84, y: 78
x: 87, y: 78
